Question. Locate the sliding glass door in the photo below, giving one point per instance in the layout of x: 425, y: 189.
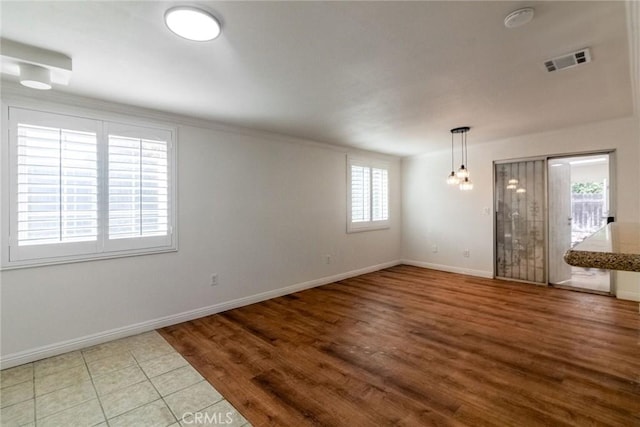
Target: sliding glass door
x: 545, y: 206
x: 520, y: 249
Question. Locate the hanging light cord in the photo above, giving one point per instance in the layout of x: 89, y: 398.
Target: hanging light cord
x: 466, y: 156
x: 452, y: 165
x: 462, y: 148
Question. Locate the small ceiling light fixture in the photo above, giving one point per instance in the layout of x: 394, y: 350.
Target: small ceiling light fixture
x: 35, y: 76
x: 460, y: 177
x: 192, y: 23
x: 34, y: 67
x: 519, y: 17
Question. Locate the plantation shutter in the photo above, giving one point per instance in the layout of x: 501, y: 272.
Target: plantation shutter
x: 379, y: 194
x: 368, y: 194
x: 360, y: 193
x: 81, y: 188
x: 138, y: 186
x: 55, y: 191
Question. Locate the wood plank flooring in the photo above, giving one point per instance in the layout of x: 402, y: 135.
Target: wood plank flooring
x: 414, y: 347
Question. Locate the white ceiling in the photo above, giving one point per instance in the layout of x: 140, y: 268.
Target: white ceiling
x: 392, y: 77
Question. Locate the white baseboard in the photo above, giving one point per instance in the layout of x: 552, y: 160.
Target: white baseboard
x: 628, y: 295
x: 449, y: 268
x: 19, y: 358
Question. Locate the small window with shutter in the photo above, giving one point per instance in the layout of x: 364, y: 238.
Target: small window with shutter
x: 368, y: 194
x: 84, y: 189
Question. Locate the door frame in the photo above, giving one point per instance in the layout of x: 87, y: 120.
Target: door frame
x: 612, y: 200
x: 613, y: 189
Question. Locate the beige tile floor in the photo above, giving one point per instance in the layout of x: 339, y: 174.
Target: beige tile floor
x: 135, y: 381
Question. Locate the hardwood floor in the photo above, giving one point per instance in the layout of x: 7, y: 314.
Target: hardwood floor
x: 412, y: 347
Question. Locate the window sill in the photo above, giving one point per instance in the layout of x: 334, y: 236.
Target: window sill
x: 351, y: 228
x: 15, y: 265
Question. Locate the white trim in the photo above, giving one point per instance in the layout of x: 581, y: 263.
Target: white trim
x: 19, y: 358
x: 628, y: 295
x: 449, y: 268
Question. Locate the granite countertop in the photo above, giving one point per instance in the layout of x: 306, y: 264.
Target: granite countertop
x: 614, y: 247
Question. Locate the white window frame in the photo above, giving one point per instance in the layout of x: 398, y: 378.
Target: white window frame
x: 60, y: 253
x: 356, y: 227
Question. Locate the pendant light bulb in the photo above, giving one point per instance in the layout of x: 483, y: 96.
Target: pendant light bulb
x: 463, y: 172
x: 453, y: 179
x: 466, y: 185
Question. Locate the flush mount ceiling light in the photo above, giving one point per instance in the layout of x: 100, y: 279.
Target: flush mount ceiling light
x: 192, y: 23
x: 35, y: 77
x: 519, y: 17
x: 33, y: 66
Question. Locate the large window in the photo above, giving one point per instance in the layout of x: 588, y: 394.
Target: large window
x: 368, y: 195
x: 83, y: 188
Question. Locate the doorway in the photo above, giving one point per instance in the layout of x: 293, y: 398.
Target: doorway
x: 543, y: 207
x: 579, y: 205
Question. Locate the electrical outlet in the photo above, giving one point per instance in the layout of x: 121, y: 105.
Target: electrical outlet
x: 466, y: 253
x: 214, y: 279
x: 434, y: 248
x: 327, y: 259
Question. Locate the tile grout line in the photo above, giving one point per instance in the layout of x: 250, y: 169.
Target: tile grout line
x: 154, y: 387
x: 204, y: 379
x: 54, y: 391
x: 184, y: 388
x: 95, y: 390
x: 33, y: 378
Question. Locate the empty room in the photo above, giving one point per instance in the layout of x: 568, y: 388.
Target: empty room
x: 319, y: 213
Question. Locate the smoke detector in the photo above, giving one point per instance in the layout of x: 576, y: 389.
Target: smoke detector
x: 569, y: 60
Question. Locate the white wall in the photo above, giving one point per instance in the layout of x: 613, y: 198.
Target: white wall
x: 437, y: 214
x: 258, y: 209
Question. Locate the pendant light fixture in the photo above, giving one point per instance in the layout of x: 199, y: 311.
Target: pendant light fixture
x: 461, y: 177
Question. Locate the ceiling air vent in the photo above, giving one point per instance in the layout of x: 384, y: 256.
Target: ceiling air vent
x: 567, y: 61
